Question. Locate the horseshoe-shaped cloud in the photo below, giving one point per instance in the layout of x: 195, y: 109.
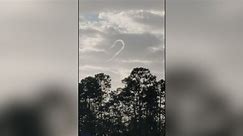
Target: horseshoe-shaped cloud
x: 119, y: 51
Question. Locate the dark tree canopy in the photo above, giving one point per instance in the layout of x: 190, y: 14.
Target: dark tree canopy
x: 135, y: 109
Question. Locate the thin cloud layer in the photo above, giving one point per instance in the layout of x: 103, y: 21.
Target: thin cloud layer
x: 87, y: 6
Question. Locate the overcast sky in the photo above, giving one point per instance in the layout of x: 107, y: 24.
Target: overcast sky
x: 135, y: 30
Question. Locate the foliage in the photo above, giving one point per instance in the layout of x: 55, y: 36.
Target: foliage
x: 137, y: 109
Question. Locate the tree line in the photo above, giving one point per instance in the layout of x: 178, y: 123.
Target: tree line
x: 137, y: 109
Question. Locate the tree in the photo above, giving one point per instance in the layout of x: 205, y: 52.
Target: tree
x: 161, y: 113
x: 136, y: 109
x: 88, y: 95
x: 139, y: 97
x: 93, y: 94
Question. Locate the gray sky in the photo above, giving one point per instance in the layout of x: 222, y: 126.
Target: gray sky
x: 138, y: 24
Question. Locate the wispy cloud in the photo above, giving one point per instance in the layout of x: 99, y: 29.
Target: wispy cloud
x: 135, y: 61
x: 92, y: 67
x: 90, y: 49
x: 156, y: 48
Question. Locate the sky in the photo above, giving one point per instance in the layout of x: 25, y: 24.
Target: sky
x: 116, y: 36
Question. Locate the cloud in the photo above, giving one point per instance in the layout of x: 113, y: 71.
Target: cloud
x: 85, y: 50
x: 156, y: 48
x: 99, y: 31
x: 90, y: 67
x: 108, y: 5
x: 137, y: 61
x: 151, y: 18
x: 122, y: 22
x: 139, y: 23
x: 90, y: 44
x: 131, y: 21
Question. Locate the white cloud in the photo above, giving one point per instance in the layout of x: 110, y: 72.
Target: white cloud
x: 90, y: 44
x: 122, y: 21
x: 90, y: 49
x: 91, y: 67
x: 137, y: 61
x: 156, y: 48
x: 159, y: 13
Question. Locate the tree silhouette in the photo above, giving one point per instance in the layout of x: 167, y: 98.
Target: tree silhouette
x: 140, y: 95
x: 88, y: 95
x: 136, y: 109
